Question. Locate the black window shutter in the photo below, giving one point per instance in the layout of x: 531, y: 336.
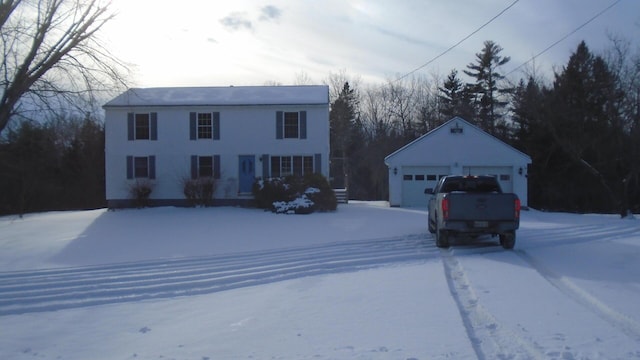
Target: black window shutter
x: 193, y: 126
x: 194, y: 166
x: 216, y: 166
x: 130, y: 126
x: 303, y: 124
x: 152, y: 167
x: 216, y: 126
x: 265, y: 166
x: 154, y: 126
x: 317, y: 163
x: 129, y: 167
x: 279, y: 124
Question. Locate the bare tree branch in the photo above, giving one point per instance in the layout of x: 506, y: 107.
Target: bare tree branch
x: 51, y: 55
x: 6, y: 8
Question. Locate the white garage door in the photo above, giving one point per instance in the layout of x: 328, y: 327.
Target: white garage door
x: 503, y: 173
x: 417, y: 178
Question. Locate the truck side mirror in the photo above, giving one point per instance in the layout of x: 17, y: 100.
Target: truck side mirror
x: 428, y: 191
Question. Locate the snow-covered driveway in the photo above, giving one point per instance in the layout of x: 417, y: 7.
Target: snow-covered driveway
x: 362, y: 283
x: 65, y: 288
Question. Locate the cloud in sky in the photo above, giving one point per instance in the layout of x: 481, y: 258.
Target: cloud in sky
x: 269, y: 13
x: 403, y: 37
x: 237, y: 21
x: 241, y: 20
x: 245, y: 42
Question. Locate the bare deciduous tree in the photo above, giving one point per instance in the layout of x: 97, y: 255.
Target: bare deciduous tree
x: 336, y: 81
x: 302, y: 78
x: 52, y: 57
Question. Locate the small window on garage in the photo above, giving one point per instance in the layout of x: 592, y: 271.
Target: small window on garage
x: 505, y: 177
x: 408, y: 177
x: 441, y: 176
x: 419, y: 177
x: 432, y: 178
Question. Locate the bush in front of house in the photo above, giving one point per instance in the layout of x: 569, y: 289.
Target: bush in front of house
x: 295, y: 194
x: 324, y: 198
x: 199, y: 192
x: 140, y: 192
x: 271, y: 190
x: 299, y: 205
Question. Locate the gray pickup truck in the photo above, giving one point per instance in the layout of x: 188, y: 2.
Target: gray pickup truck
x: 472, y: 205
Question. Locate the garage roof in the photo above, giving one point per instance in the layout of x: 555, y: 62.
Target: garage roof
x: 458, y: 138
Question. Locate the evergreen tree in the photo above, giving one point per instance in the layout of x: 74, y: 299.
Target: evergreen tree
x: 527, y: 101
x: 83, y: 174
x: 57, y: 165
x: 342, y: 119
x: 456, y: 98
x: 584, y: 122
x: 547, y: 175
x: 486, y: 89
x: 29, y: 163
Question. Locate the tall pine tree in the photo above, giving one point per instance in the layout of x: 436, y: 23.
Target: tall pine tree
x: 487, y: 92
x: 584, y: 121
x: 342, y: 122
x: 456, y: 98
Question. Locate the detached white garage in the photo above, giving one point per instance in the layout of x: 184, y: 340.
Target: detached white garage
x: 455, y: 148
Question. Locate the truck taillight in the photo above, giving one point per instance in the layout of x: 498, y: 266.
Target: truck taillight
x: 445, y: 209
x: 517, y: 203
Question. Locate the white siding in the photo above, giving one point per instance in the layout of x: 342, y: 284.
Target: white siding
x: 244, y: 130
x: 467, y: 148
x: 415, y: 179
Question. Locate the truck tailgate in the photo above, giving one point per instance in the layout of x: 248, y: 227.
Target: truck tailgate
x: 481, y: 206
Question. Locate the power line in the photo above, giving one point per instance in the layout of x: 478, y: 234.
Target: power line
x: 459, y: 42
x: 566, y: 36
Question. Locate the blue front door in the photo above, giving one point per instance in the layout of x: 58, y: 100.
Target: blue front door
x: 247, y: 171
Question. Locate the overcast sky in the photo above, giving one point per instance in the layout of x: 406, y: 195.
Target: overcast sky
x: 252, y: 42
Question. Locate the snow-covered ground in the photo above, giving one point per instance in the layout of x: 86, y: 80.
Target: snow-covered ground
x: 364, y: 282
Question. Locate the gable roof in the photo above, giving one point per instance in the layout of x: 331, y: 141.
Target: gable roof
x: 457, y: 120
x: 223, y: 96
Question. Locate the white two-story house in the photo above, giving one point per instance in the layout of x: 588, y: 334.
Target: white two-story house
x: 233, y: 134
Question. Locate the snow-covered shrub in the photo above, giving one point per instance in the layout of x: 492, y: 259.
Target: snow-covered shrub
x: 271, y: 190
x: 300, y: 205
x: 295, y: 194
x: 322, y: 194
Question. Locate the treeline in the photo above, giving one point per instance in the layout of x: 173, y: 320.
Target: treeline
x: 53, y: 165
x: 581, y: 129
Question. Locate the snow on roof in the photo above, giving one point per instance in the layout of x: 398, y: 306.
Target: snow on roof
x: 231, y: 95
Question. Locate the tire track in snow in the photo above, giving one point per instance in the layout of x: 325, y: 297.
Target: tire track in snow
x: 579, y: 234
x: 489, y: 338
x: 65, y: 288
x: 622, y: 322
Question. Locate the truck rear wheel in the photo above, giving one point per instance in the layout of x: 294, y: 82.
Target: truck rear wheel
x: 508, y: 240
x: 442, y: 239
